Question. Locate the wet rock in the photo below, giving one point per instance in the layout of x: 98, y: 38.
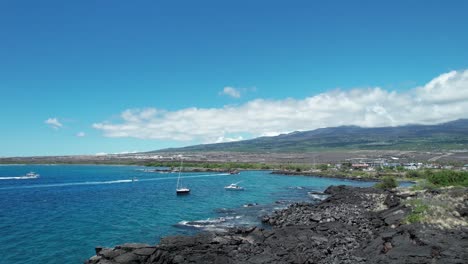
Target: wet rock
x: 94, y: 259
x: 98, y: 249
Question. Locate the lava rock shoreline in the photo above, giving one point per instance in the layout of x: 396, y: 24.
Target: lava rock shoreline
x: 353, y: 225
x: 320, y: 174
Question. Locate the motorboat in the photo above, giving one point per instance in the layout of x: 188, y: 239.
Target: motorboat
x: 31, y: 175
x: 233, y: 187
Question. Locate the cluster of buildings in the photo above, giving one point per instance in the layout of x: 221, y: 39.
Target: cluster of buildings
x: 374, y: 164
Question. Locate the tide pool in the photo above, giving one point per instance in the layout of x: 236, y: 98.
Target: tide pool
x: 62, y: 215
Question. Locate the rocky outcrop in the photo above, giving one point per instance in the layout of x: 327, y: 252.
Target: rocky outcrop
x: 353, y: 225
x: 130, y: 253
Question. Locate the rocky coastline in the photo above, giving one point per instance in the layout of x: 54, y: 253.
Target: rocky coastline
x: 353, y: 225
x: 320, y: 174
x: 194, y: 169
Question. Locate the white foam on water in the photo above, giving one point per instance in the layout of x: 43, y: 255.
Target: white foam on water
x: 211, y: 223
x: 318, y: 196
x: 185, y: 177
x: 102, y: 182
x: 18, y: 178
x: 65, y: 184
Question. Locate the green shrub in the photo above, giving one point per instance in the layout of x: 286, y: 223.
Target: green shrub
x: 449, y: 178
x: 322, y: 167
x: 418, y: 208
x: 387, y: 183
x: 400, y: 168
x: 413, y: 218
x: 423, y: 185
x: 414, y: 174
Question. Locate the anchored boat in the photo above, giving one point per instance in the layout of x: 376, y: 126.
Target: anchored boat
x: 180, y: 189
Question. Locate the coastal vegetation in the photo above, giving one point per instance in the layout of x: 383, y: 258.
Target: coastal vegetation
x: 437, y: 197
x: 426, y: 178
x: 443, y: 207
x: 232, y: 165
x: 429, y: 179
x: 449, y: 178
x: 387, y: 183
x: 418, y: 209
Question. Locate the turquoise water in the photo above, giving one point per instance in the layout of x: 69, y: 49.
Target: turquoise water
x: 62, y: 215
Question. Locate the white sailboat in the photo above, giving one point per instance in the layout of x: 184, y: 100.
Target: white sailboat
x: 180, y: 189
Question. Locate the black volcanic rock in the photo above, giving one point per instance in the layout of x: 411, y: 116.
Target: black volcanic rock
x: 351, y: 226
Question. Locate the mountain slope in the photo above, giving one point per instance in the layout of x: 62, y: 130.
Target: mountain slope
x: 451, y: 135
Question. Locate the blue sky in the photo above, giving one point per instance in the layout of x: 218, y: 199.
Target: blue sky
x: 85, y: 64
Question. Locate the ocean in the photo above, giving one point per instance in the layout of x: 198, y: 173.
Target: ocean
x: 70, y: 209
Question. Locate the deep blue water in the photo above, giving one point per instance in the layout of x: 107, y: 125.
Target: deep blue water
x: 61, y: 216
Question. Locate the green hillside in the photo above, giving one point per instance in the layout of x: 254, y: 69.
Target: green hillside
x: 446, y: 136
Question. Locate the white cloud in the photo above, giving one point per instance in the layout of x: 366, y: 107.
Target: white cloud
x: 116, y: 153
x: 126, y: 152
x: 228, y: 139
x: 231, y: 91
x: 443, y: 99
x: 80, y: 134
x: 53, y: 122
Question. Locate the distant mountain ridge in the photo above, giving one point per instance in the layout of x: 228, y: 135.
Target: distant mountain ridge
x: 446, y: 136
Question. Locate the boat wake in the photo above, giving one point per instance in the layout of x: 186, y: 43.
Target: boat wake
x: 65, y: 184
x: 97, y: 182
x: 18, y: 178
x: 185, y: 177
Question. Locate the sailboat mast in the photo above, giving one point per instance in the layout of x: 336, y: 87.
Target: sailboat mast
x: 180, y: 169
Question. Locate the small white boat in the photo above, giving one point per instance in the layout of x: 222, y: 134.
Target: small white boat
x: 233, y: 187
x: 182, y: 190
x: 31, y: 175
x: 179, y: 188
x: 134, y: 179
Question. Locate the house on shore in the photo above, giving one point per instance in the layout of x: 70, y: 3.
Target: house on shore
x: 360, y: 166
x: 411, y: 166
